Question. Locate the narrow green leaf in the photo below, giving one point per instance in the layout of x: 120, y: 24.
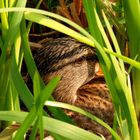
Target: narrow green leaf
x: 21, y: 87
x: 58, y: 127
x: 28, y: 121
x: 81, y: 111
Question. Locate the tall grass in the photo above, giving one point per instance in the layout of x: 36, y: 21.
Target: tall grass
x: 117, y: 79
x: 133, y: 28
x: 14, y: 47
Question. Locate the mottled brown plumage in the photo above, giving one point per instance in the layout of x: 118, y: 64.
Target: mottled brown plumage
x: 77, y: 64
x: 73, y: 61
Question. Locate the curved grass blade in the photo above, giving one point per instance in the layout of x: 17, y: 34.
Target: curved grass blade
x: 81, y: 38
x: 66, y: 130
x: 83, y: 112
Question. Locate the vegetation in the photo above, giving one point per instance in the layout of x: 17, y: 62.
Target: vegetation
x: 124, y: 90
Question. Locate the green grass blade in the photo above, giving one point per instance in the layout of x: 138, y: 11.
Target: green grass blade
x: 36, y: 85
x: 92, y: 25
x: 4, y: 77
x: 66, y: 130
x: 20, y: 85
x: 11, y: 34
x: 4, y: 20
x: 28, y: 121
x: 34, y: 131
x: 81, y: 111
x: 82, y: 39
x: 132, y: 15
x: 48, y: 90
x: 115, y: 43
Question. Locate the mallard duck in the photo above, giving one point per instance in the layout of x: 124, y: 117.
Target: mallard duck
x: 80, y: 84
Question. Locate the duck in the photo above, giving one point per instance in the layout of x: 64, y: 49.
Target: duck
x: 82, y: 83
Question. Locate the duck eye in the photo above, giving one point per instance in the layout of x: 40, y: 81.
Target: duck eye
x: 78, y: 61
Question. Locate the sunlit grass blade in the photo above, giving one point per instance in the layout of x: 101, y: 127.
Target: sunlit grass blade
x: 127, y: 92
x: 133, y: 29
x: 92, y: 25
x: 121, y: 88
x: 58, y: 26
x: 15, y: 102
x: 115, y: 43
x: 52, y: 125
x: 106, y: 64
x: 81, y: 111
x: 11, y: 34
x: 4, y: 20
x: 49, y: 14
x: 83, y: 39
x: 128, y: 60
x: 113, y: 59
